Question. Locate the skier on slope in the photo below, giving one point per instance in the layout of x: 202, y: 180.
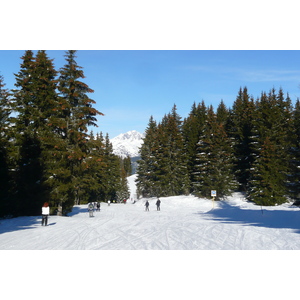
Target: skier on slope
x: 158, y: 204
x: 98, y: 206
x: 45, y: 213
x: 147, y: 205
x: 91, y: 209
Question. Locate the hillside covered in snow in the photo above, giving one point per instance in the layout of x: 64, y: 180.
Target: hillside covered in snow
x: 127, y: 144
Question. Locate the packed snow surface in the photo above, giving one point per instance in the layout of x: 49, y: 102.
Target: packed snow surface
x: 184, y: 223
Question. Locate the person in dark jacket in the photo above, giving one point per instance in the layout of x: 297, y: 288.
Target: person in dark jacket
x: 147, y: 205
x: 158, y: 204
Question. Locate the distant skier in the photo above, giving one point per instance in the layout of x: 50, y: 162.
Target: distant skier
x: 158, y: 204
x: 147, y: 205
x: 98, y: 206
x: 45, y: 213
x: 108, y: 202
x: 91, y: 209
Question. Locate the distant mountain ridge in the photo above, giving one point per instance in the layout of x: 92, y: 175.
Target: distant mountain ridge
x: 127, y: 144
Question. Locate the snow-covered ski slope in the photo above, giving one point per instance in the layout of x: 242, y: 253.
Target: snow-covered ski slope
x: 184, y: 223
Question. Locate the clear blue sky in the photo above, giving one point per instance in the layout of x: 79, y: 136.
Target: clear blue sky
x: 130, y: 86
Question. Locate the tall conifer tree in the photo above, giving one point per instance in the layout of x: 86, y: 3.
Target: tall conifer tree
x: 222, y: 114
x: 147, y: 165
x: 241, y: 129
x: 5, y: 111
x: 293, y: 182
x: 114, y: 177
x: 34, y: 101
x: 78, y: 115
x: 271, y: 146
x: 213, y: 168
x: 162, y: 169
x: 171, y: 173
x: 191, y: 129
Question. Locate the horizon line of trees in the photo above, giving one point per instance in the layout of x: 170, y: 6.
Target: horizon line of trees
x: 46, y: 152
x: 253, y: 147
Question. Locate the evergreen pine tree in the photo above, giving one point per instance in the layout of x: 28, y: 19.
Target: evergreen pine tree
x: 171, y: 170
x: 162, y: 160
x: 177, y: 155
x: 271, y: 146
x: 93, y: 169
x: 191, y: 129
x: 78, y: 115
x: 122, y: 187
x: 146, y: 172
x: 240, y: 129
x: 114, y: 179
x: 266, y: 189
x: 34, y: 102
x: 126, y: 163
x: 162, y: 170
x: 213, y: 168
x: 222, y: 114
x: 5, y: 111
x: 293, y: 183
x: 96, y: 167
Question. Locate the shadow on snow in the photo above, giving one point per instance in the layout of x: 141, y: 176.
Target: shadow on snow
x: 261, y: 218
x: 77, y: 210
x: 22, y: 223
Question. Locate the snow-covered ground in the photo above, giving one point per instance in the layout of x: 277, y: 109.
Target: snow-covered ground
x: 184, y: 223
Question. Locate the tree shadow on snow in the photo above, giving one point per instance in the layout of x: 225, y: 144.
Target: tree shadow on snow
x: 19, y: 223
x: 77, y: 210
x: 22, y: 223
x: 227, y: 213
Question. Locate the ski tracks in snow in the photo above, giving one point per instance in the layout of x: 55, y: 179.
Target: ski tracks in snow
x: 183, y: 223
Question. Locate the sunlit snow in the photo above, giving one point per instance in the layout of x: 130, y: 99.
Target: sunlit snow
x: 184, y: 223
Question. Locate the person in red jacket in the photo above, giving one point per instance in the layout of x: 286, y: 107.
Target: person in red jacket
x: 45, y: 213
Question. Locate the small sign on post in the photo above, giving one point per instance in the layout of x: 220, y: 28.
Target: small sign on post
x: 214, y: 195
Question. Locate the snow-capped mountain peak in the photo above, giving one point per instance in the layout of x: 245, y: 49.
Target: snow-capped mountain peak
x: 127, y: 144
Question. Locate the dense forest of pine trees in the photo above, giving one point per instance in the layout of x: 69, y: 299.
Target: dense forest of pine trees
x: 46, y: 152
x: 253, y: 147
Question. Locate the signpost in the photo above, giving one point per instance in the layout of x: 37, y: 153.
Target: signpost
x: 214, y: 195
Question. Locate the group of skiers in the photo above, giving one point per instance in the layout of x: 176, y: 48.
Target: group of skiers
x: 157, y: 205
x: 92, y: 206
